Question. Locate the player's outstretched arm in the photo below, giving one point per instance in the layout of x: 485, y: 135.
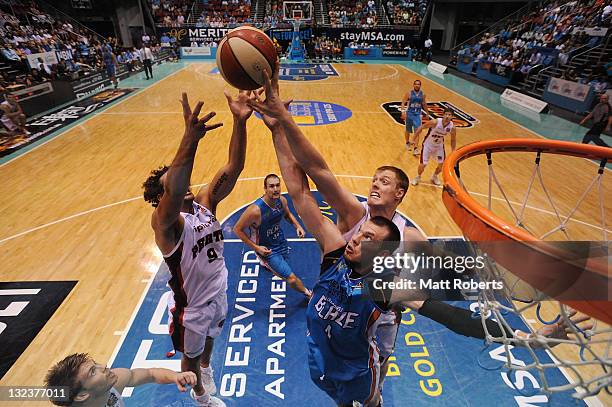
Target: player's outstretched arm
x: 459, y: 320
x: 224, y: 180
x: 324, y: 231
x: 251, y: 216
x: 137, y: 377
x: 167, y: 214
x: 312, y: 162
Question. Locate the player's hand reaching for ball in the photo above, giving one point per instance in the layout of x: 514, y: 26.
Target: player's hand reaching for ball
x: 272, y: 106
x: 271, y: 122
x: 238, y: 106
x: 184, y: 379
x: 196, y: 127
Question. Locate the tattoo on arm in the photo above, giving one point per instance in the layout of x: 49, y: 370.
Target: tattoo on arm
x: 219, y: 182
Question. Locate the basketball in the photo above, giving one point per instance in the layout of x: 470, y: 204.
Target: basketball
x: 242, y: 56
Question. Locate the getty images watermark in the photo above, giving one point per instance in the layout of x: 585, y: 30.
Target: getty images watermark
x: 413, y: 263
x: 443, y: 270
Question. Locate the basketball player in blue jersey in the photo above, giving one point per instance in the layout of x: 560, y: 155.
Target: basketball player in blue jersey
x: 190, y: 238
x: 412, y: 114
x: 91, y: 384
x: 342, y: 320
x: 387, y: 190
x: 110, y: 61
x: 267, y: 239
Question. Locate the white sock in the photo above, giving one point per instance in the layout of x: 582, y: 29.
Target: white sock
x: 204, y: 398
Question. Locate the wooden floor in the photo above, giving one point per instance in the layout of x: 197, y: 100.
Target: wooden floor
x: 70, y: 209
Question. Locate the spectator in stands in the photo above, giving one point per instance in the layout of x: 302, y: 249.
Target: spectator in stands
x: 602, y: 121
x: 44, y: 68
x: 599, y: 84
x: 569, y: 75
x: 37, y: 76
x: 12, y: 116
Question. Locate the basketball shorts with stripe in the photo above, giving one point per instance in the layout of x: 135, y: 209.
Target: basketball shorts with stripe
x: 190, y: 338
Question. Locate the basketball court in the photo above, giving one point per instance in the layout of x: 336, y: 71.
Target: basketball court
x: 72, y: 212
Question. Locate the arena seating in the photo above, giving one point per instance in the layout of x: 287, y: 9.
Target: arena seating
x: 351, y: 13
x: 406, y: 12
x: 30, y: 31
x: 171, y: 13
x: 547, y: 37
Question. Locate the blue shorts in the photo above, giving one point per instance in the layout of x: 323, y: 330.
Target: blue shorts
x: 110, y: 70
x: 413, y: 122
x: 278, y: 263
x: 362, y: 388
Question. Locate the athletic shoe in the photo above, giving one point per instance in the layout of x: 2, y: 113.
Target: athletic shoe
x: 416, y: 151
x: 435, y: 180
x: 207, y: 380
x: 415, y: 180
x: 206, y: 400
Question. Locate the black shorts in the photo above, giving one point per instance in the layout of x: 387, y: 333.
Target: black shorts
x: 597, y: 128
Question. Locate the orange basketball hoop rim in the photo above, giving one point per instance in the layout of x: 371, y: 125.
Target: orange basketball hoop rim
x: 481, y: 225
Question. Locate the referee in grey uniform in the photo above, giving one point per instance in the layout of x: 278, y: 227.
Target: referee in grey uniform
x: 602, y: 121
x: 147, y: 60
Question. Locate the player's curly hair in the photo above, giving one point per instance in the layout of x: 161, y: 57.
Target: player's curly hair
x: 65, y: 373
x: 153, y: 187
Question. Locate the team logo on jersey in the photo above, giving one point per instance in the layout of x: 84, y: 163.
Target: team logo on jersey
x: 461, y: 119
x: 314, y: 113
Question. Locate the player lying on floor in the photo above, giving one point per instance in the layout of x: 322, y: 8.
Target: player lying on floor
x: 92, y: 384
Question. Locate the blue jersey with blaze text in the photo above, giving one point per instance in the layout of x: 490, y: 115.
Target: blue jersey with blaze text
x: 341, y: 322
x: 269, y: 233
x: 416, y: 102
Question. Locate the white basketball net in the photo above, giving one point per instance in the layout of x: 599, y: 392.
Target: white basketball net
x: 586, y: 355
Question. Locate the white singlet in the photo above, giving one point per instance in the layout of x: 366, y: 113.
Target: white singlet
x: 197, y: 266
x: 433, y: 144
x: 399, y: 221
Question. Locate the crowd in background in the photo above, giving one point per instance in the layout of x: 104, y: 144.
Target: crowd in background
x: 77, y: 50
x: 352, y: 13
x: 170, y: 13
x: 406, y: 12
x: 547, y: 36
x: 225, y: 13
